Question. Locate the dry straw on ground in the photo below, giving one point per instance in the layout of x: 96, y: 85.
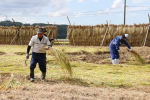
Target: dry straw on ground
x: 12, y: 83
x: 138, y: 58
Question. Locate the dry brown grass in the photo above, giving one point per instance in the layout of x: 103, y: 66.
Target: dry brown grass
x: 12, y: 83
x: 138, y: 58
x: 50, y: 91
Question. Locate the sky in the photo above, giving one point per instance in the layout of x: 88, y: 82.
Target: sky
x: 79, y: 12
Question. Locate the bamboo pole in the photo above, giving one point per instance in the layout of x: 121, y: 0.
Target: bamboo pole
x: 146, y: 35
x: 71, y: 30
x: 18, y: 31
x: 105, y: 34
x: 149, y: 18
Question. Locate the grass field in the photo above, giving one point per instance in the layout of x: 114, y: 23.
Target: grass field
x: 123, y: 76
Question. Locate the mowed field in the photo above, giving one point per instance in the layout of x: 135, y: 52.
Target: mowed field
x: 94, y: 77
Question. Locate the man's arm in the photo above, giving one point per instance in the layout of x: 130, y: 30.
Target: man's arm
x: 117, y: 43
x: 51, y: 40
x: 126, y: 43
x: 28, y: 50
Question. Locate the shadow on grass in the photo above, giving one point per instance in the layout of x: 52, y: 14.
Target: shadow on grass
x: 20, y: 53
x: 73, y: 81
x: 63, y: 79
x: 77, y: 81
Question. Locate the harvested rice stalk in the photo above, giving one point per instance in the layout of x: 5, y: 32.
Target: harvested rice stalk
x: 138, y: 58
x: 62, y: 59
x: 12, y: 83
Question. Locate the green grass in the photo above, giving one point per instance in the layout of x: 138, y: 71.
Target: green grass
x: 86, y: 74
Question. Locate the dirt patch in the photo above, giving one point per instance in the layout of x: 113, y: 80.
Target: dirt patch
x: 103, y: 57
x: 101, y: 52
x: 78, y: 53
x: 2, y: 53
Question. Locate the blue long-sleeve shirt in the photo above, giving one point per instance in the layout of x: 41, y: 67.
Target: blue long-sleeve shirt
x: 118, y: 41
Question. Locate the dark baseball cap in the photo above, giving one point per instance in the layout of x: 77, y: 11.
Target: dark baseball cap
x: 40, y: 30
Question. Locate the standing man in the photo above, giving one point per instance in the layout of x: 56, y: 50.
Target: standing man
x: 38, y: 43
x: 114, y: 47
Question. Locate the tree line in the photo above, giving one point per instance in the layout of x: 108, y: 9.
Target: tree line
x: 62, y: 29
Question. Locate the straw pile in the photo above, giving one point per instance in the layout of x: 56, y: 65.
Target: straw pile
x: 79, y: 35
x: 22, y: 35
x: 93, y: 35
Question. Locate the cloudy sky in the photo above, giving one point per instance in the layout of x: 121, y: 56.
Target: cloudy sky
x: 79, y: 12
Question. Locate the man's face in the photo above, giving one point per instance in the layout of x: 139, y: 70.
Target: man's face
x: 124, y: 39
x: 40, y: 35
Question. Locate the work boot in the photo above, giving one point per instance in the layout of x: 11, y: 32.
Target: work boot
x: 43, y: 75
x: 113, y: 61
x: 31, y: 75
x: 31, y: 79
x: 117, y: 61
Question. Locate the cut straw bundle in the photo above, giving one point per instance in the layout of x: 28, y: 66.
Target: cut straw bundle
x: 138, y: 58
x: 12, y: 83
x: 62, y: 59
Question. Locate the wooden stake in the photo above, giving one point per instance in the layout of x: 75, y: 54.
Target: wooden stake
x: 71, y: 30
x: 149, y: 18
x: 105, y: 34
x: 17, y: 34
x: 147, y: 31
x: 146, y: 35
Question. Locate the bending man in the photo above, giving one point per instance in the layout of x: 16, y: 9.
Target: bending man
x: 114, y: 47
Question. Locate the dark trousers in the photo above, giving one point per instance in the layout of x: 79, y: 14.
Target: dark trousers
x: 39, y: 58
x: 114, y: 52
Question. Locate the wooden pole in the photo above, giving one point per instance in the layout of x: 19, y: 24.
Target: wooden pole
x: 124, y: 12
x: 147, y: 31
x: 105, y: 34
x: 68, y: 20
x: 17, y: 34
x: 146, y: 35
x: 149, y: 18
x: 70, y: 31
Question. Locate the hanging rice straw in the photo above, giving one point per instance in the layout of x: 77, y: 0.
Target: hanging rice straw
x: 138, y: 58
x: 12, y: 83
x: 62, y: 59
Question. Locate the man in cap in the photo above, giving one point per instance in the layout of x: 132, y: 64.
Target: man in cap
x: 38, y: 43
x: 114, y: 47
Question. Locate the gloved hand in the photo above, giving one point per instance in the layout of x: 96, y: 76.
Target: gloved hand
x: 27, y: 55
x: 130, y: 49
x: 47, y: 48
